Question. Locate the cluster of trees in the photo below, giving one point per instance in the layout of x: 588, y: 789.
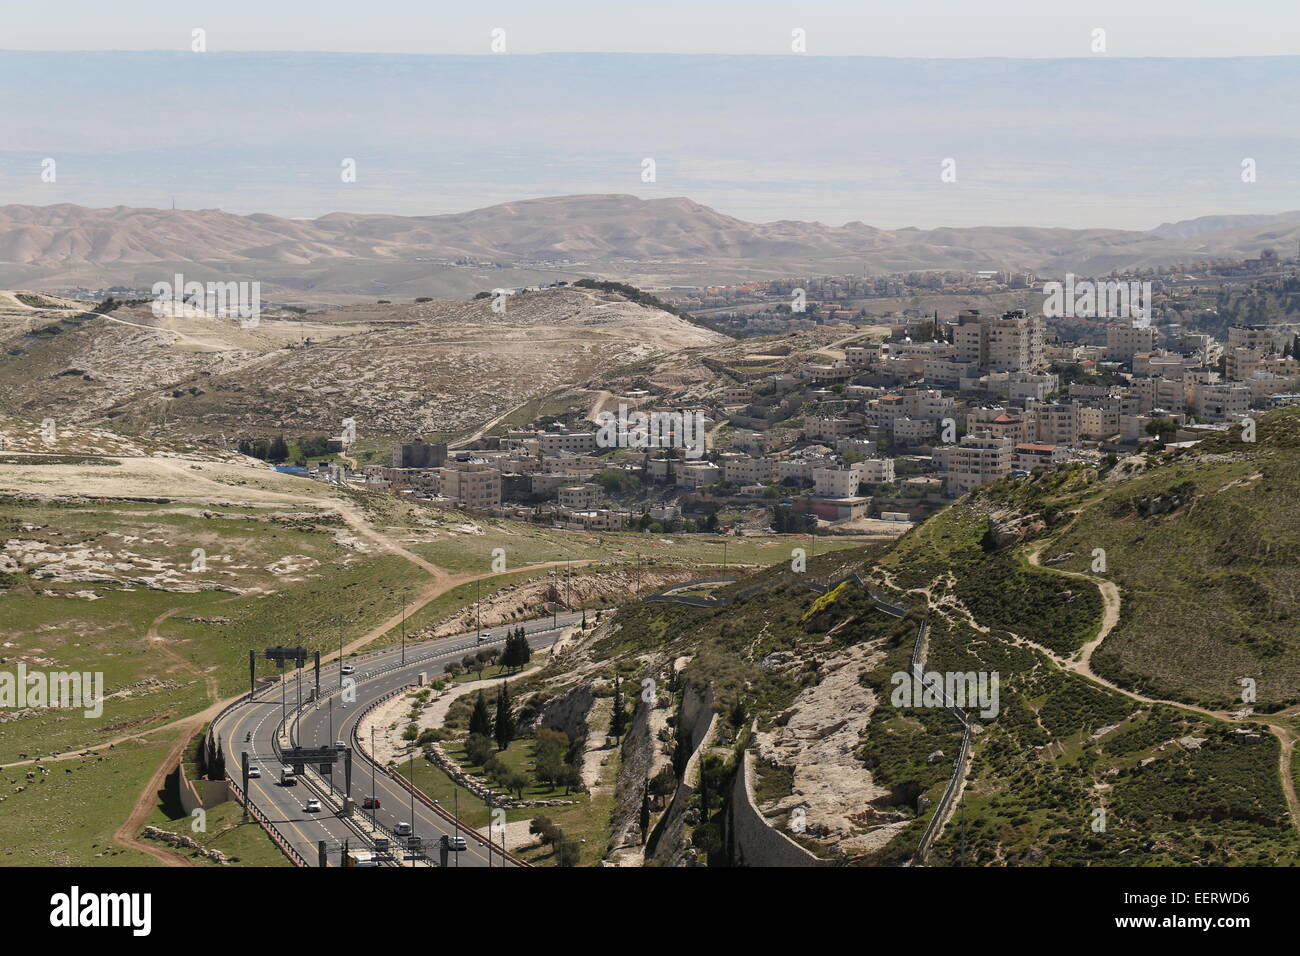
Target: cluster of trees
x: 517, y: 653
x: 477, y: 662
x: 481, y: 752
x: 555, y: 760
x: 785, y: 520
x: 268, y: 449
x: 277, y: 449
x: 567, y: 852
x: 500, y: 727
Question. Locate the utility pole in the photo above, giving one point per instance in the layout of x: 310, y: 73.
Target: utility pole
x: 404, y: 629
x: 478, y: 609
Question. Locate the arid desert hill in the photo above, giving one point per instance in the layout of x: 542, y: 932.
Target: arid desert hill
x: 434, y: 368
x: 614, y: 236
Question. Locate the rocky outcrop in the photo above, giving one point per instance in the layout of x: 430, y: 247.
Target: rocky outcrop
x: 1008, y: 528
x: 183, y: 842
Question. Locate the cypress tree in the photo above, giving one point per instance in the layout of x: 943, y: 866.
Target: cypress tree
x: 645, y: 812
x: 504, y: 731
x: 480, y: 721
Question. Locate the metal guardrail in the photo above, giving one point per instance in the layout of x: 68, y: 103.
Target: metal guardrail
x: 968, y: 730
x: 271, y: 830
x: 285, y: 846
x: 416, y: 791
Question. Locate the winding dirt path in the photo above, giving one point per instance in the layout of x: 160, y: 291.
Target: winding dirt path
x: 1081, y: 664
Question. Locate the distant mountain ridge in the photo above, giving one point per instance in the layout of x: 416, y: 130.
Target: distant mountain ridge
x: 602, y: 232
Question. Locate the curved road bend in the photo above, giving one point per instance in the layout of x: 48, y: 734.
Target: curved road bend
x: 283, y: 806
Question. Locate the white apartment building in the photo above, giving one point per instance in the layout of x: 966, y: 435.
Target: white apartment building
x: 745, y: 470
x: 837, y: 482
x: 874, y: 471
x: 1031, y: 455
x: 914, y: 431
x: 830, y: 429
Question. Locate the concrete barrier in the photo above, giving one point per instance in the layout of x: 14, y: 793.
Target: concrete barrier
x: 754, y: 841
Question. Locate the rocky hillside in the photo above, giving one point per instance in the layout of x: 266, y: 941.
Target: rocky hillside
x: 435, y: 368
x: 1120, y: 730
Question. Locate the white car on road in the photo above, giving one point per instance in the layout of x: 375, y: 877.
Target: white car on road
x: 312, y: 806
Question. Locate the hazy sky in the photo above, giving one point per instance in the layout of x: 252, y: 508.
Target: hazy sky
x: 914, y: 28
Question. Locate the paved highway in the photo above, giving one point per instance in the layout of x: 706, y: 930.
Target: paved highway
x: 376, y: 675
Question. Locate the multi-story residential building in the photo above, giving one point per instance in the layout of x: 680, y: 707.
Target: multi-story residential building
x: 1221, y: 401
x: 1031, y: 455
x: 584, y: 497
x: 831, y: 429
x: 876, y: 471
x: 1011, y: 343
x: 796, y: 468
x: 1098, y: 422
x: 862, y: 356
x: 913, y: 431
x: 1247, y: 346
x: 698, y: 474
x: 837, y: 482
x: 1057, y: 424
x: 746, y: 470
x: 1125, y: 341
x: 1168, y: 365
x: 975, y: 460
x: 472, y: 484
x: 883, y: 410
x: 553, y: 443
x: 1023, y: 386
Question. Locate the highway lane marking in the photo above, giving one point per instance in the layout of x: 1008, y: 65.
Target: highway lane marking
x: 424, y: 815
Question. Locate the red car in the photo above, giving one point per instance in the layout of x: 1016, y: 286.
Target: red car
x: 370, y: 803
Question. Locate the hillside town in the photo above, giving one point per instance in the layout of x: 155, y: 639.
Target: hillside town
x: 878, y: 430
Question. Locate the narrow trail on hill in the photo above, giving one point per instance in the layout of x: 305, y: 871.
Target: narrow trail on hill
x: 1082, y: 665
